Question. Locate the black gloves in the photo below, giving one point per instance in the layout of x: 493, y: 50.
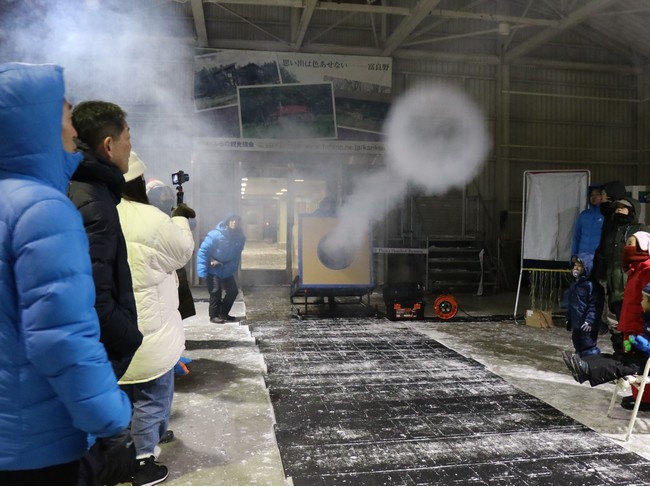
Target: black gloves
x: 109, y: 461
x: 184, y: 210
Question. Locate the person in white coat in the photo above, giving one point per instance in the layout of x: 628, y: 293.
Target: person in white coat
x: 157, y: 245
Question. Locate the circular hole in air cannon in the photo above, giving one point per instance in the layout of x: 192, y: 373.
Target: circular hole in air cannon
x: 332, y: 256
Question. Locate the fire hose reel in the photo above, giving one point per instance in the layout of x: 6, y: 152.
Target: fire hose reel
x: 445, y: 306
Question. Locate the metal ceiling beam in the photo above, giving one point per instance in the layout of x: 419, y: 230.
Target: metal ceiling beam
x: 571, y: 20
x: 457, y: 14
x: 595, y: 35
x: 364, y: 8
x: 432, y: 40
x: 261, y: 3
x: 600, y: 68
x: 421, y: 10
x: 305, y: 19
x: 433, y: 25
x: 199, y: 23
x: 388, y: 10
x: 341, y: 7
x: 244, y: 19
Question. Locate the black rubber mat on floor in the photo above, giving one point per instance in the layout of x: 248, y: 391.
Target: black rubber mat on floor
x: 371, y: 402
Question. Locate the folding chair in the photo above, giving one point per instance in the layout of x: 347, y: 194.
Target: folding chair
x: 637, y: 381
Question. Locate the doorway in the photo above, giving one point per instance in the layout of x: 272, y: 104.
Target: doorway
x: 269, y: 208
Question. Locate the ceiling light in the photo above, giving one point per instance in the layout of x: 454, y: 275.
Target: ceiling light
x: 243, y: 185
x: 244, y: 179
x: 298, y: 180
x: 284, y: 190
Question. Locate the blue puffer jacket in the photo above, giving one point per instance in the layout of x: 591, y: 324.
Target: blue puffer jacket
x: 56, y: 384
x: 587, y: 230
x: 586, y: 298
x: 224, y: 245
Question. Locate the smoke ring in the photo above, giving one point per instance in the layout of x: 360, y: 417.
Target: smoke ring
x: 436, y: 138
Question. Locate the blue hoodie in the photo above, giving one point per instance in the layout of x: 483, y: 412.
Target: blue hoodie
x: 224, y: 245
x: 56, y: 384
x: 587, y: 230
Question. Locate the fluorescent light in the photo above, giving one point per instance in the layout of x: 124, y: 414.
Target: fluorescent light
x: 244, y: 179
x: 298, y: 180
x: 284, y: 190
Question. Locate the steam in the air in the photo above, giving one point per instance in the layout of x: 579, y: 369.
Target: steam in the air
x: 436, y: 140
x: 127, y: 53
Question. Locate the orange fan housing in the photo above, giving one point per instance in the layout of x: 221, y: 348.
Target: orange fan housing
x: 445, y: 306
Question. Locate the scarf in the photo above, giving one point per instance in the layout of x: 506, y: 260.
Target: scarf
x: 632, y: 256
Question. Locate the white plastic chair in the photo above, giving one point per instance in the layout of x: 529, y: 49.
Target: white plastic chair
x: 637, y: 381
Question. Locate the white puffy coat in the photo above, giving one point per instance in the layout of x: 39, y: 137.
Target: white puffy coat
x: 157, y: 245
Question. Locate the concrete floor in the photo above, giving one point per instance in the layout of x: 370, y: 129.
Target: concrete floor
x: 222, y: 414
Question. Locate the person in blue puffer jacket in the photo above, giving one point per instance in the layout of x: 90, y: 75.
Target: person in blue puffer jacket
x: 586, y: 301
x: 217, y: 261
x: 56, y: 383
x: 589, y: 225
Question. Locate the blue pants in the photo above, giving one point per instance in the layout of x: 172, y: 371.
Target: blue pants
x: 585, y: 342
x: 152, y: 405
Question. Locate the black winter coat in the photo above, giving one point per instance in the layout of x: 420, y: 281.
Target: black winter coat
x: 96, y: 189
x: 608, y: 264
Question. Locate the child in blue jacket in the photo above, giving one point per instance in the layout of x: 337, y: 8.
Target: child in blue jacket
x: 585, y: 306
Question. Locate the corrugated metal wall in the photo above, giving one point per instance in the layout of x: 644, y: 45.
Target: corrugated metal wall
x: 558, y: 119
x: 448, y: 214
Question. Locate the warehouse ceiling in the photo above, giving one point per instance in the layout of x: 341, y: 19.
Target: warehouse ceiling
x: 590, y: 34
x: 472, y: 30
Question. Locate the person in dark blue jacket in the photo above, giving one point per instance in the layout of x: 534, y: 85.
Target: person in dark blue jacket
x: 589, y: 225
x: 218, y: 260
x: 56, y: 382
x: 585, y: 307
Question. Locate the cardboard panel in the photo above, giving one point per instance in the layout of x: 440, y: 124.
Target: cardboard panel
x: 314, y: 272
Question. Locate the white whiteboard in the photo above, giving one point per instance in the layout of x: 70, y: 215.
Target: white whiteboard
x: 552, y: 202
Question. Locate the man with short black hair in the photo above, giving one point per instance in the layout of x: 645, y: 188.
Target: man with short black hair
x: 96, y: 189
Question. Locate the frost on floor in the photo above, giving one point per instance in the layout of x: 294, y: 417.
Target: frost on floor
x: 371, y: 402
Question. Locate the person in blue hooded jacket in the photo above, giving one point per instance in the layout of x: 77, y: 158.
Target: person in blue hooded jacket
x: 56, y: 383
x: 589, y: 225
x: 217, y: 261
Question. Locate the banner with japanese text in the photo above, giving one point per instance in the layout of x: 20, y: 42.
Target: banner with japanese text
x: 280, y: 95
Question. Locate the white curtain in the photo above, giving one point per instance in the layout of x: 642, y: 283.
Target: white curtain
x: 553, y: 201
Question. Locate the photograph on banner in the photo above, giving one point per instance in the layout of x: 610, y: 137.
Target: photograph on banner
x: 296, y: 111
x: 361, y: 87
x: 223, y: 122
x: 363, y: 114
x: 217, y: 76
